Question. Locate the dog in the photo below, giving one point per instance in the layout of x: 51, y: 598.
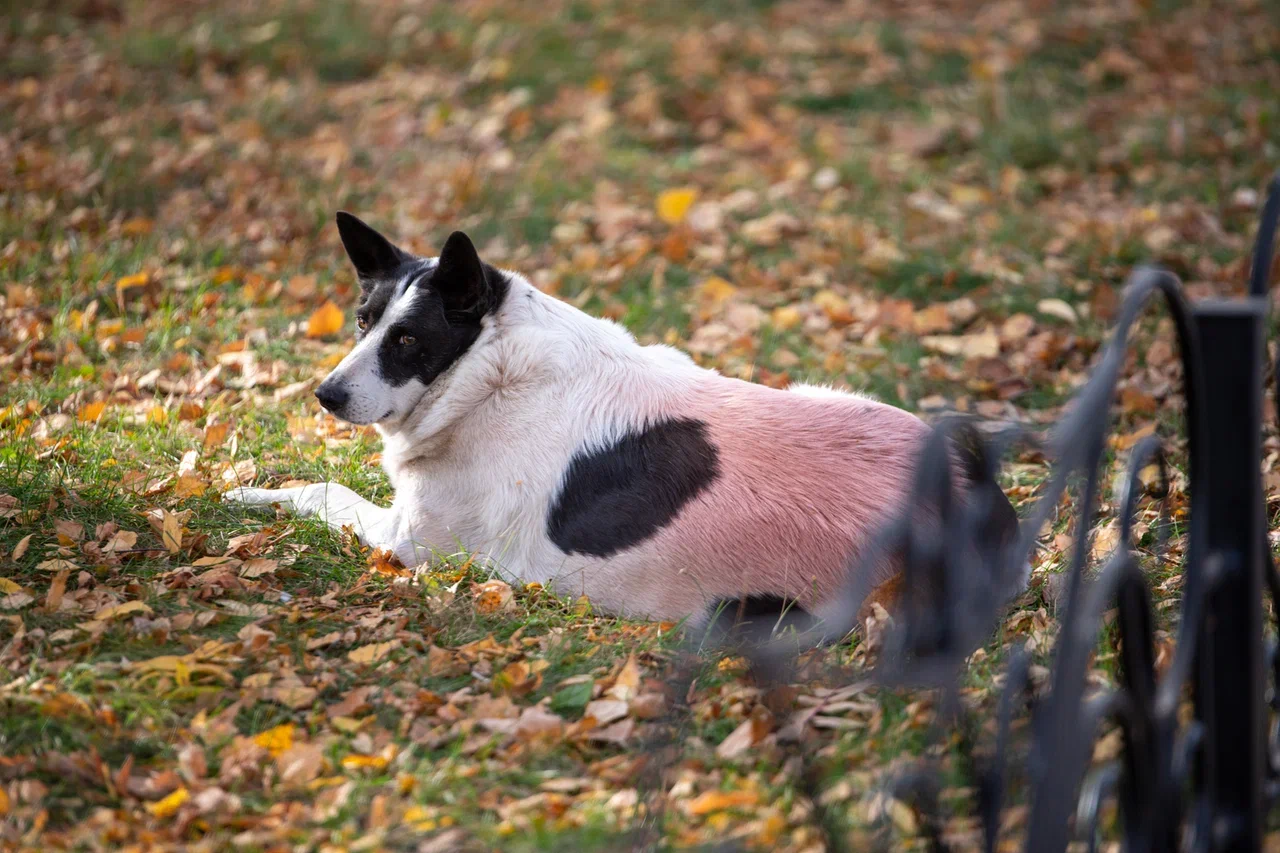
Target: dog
x: 551, y: 443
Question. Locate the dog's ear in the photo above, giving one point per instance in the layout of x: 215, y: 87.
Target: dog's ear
x: 371, y: 254
x: 460, y: 278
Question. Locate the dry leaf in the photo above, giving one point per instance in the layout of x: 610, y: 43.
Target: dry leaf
x: 673, y: 204
x: 115, y: 611
x: 170, y: 804
x: 327, y: 320
x: 372, y: 653
x: 494, y: 596
x: 714, y: 801
x: 20, y: 550
x: 91, y: 412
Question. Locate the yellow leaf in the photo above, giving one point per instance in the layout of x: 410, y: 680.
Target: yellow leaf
x: 360, y: 762
x: 275, y: 740
x: 716, y: 289
x: 967, y: 196
x: 373, y: 652
x: 157, y: 415
x: 90, y: 412
x: 327, y: 320
x: 8, y: 587
x: 170, y: 804
x: 130, y: 282
x: 786, y: 317
x: 674, y: 204
x: 116, y: 610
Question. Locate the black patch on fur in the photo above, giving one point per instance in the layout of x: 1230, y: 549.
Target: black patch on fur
x: 618, y: 496
x: 451, y: 297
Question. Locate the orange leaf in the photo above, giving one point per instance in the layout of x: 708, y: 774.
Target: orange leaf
x: 714, y: 801
x: 91, y: 412
x: 327, y: 320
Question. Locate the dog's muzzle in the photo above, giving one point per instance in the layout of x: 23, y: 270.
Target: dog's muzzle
x: 332, y: 396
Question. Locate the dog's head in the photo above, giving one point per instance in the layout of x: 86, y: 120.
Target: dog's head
x: 416, y: 317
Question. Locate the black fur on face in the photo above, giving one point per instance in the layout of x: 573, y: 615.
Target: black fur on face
x: 416, y: 317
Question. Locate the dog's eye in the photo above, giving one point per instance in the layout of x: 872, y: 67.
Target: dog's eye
x: 362, y: 324
x: 407, y: 340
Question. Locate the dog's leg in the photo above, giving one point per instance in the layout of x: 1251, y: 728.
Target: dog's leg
x: 334, y: 504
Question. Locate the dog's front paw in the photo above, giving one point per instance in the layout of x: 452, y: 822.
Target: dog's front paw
x: 251, y: 497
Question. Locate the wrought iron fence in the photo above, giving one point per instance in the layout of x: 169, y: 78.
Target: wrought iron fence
x: 1201, y: 780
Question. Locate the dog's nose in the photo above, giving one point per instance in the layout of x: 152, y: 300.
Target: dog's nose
x: 332, y: 397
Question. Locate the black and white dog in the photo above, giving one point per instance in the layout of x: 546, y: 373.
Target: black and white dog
x: 549, y: 442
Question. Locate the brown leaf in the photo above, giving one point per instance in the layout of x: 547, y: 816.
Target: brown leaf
x: 300, y: 764
x: 605, y: 711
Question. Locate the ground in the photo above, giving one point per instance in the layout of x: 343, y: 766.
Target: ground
x: 936, y: 202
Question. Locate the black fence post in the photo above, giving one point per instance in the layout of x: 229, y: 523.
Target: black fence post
x: 1230, y: 682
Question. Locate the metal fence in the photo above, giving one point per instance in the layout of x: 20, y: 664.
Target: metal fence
x: 1199, y: 764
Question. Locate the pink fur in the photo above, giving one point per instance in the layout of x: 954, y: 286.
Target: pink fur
x: 804, y: 482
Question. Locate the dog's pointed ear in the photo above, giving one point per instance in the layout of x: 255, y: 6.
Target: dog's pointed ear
x: 371, y: 254
x: 460, y: 278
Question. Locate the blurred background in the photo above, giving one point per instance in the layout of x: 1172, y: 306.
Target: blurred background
x: 861, y: 192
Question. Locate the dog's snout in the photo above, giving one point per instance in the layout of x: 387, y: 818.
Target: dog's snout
x: 332, y: 396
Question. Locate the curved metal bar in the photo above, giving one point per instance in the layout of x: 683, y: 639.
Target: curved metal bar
x: 1264, y: 242
x: 1098, y: 787
x: 991, y: 782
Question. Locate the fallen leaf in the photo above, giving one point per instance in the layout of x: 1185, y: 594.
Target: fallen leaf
x: 327, y: 320
x: 115, y: 611
x: 714, y: 801
x: 300, y: 764
x: 257, y: 567
x: 494, y: 596
x: 1057, y: 308
x: 606, y: 711
x: 170, y: 804
x: 275, y: 740
x: 57, y: 589
x: 121, y: 540
x: 673, y: 204
x: 16, y: 601
x: 20, y: 550
x: 627, y: 684
x: 91, y: 412
x: 372, y: 653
